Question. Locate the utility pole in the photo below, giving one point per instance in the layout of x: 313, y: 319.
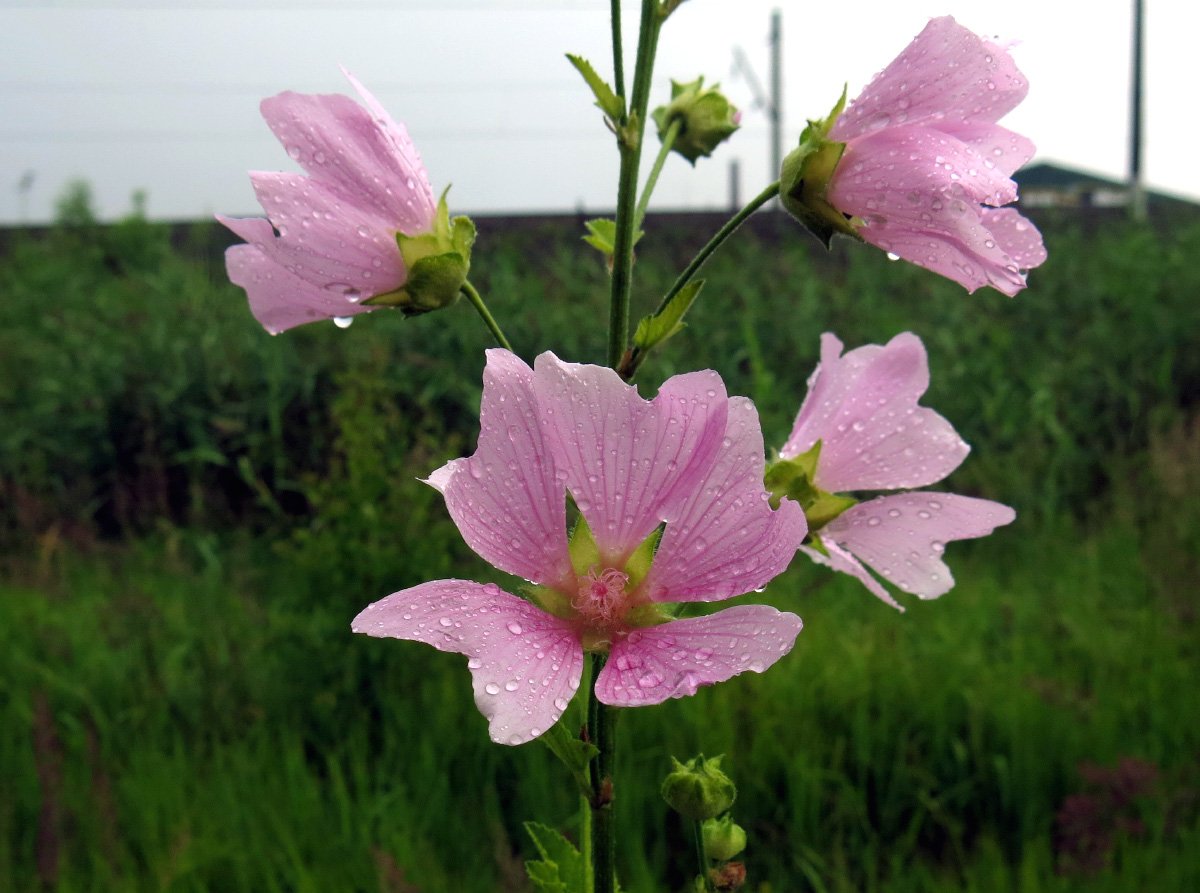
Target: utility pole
x: 771, y: 103
x: 1137, y: 188
x: 776, y: 106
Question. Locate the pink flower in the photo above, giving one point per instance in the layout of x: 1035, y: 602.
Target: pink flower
x: 336, y: 244
x: 862, y: 410
x: 691, y: 458
x: 926, y: 167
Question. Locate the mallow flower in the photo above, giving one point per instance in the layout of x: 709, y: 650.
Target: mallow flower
x: 860, y: 429
x: 359, y: 230
x: 918, y: 166
x: 671, y: 509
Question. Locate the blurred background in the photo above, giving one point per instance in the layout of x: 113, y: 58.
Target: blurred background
x: 191, y: 511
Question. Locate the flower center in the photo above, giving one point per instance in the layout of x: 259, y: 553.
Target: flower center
x: 601, y: 598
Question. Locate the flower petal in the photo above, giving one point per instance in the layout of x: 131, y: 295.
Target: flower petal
x: 998, y: 147
x: 903, y: 536
x: 840, y: 560
x: 279, y: 299
x: 525, y: 664
x: 360, y: 153
x: 874, y: 435
x: 650, y: 665
x: 625, y: 459
x: 331, y: 243
x: 508, y: 499
x: 725, y: 539
x: 1016, y: 236
x: 947, y: 74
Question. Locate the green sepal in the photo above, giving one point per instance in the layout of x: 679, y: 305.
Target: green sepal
x: 804, y: 177
x: 706, y: 119
x: 653, y: 330
x: 723, y: 838
x: 549, y: 600
x: 585, y: 554
x: 574, y: 753
x: 561, y: 869
x: 602, y: 235
x: 639, y: 562
x: 437, y: 264
x: 793, y: 478
x: 606, y: 99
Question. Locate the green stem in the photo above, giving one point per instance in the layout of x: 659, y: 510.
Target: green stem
x: 618, y: 53
x: 602, y: 729
x: 629, y: 140
x: 629, y: 368
x: 701, y: 855
x: 490, y: 321
x: 652, y: 180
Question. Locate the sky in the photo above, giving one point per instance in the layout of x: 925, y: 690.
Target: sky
x: 163, y: 96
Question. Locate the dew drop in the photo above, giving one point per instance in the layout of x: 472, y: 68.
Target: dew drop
x: 514, y: 627
x: 492, y: 688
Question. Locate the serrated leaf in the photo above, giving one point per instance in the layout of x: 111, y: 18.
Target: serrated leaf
x: 574, y: 754
x: 561, y: 867
x: 606, y: 99
x: 544, y: 877
x: 653, y: 330
x: 602, y: 235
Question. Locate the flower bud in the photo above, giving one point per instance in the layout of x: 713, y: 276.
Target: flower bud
x: 706, y: 119
x: 698, y: 789
x: 723, y: 839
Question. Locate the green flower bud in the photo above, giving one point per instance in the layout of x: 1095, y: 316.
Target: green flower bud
x: 437, y: 263
x: 723, y: 839
x: 805, y: 174
x: 698, y: 789
x: 706, y: 119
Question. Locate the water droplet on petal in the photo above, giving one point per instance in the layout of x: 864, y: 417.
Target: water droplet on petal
x: 492, y: 688
x: 343, y: 322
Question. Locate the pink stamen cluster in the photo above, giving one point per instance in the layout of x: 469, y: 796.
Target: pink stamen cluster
x: 602, y: 599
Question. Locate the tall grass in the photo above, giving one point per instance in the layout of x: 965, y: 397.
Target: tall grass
x: 193, y: 511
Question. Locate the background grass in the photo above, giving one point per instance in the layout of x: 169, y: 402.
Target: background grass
x: 192, y: 511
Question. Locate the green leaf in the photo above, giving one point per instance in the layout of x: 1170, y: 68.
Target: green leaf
x: 574, y: 754
x: 606, y: 100
x: 602, y: 235
x: 653, y: 330
x: 560, y: 869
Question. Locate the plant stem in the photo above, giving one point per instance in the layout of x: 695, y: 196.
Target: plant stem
x: 701, y: 855
x: 490, y: 321
x: 717, y: 240
x: 652, y: 180
x: 618, y: 53
x: 629, y: 368
x: 602, y: 729
x: 629, y: 141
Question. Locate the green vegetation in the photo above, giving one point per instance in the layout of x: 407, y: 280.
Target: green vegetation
x: 191, y: 511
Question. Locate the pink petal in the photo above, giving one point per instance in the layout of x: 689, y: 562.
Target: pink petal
x: 279, y: 300
x: 901, y: 172
x: 673, y: 660
x: 903, y: 536
x: 946, y: 76
x: 840, y: 560
x: 331, y: 243
x: 507, y: 499
x: 625, y: 459
x: 525, y: 664
x: 874, y: 436
x: 725, y: 539
x: 1016, y: 236
x: 999, y: 147
x: 916, y: 211
x: 828, y: 387
x: 361, y: 154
